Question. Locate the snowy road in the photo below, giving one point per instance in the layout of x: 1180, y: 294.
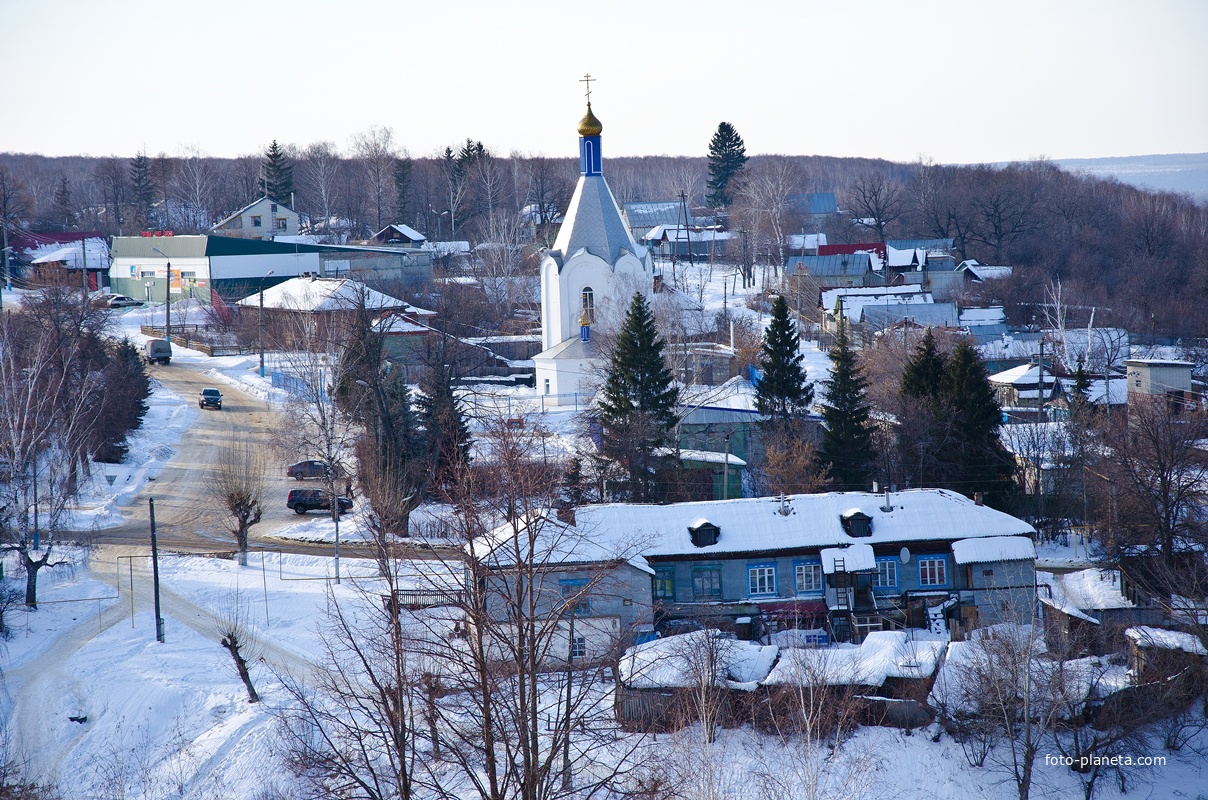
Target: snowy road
x: 184, y: 514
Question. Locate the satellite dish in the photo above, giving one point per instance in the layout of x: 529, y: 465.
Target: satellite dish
x: 905, y: 555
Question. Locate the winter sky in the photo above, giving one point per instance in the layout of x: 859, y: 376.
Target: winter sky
x: 952, y: 81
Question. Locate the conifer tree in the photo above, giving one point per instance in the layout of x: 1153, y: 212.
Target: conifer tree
x: 639, y: 381
x: 64, y: 214
x: 1082, y: 385
x: 981, y: 460
x: 924, y: 373
x: 278, y: 181
x: 783, y: 390
x: 142, y: 189
x: 444, y: 422
x: 847, y: 440
x: 727, y: 155
x: 637, y: 403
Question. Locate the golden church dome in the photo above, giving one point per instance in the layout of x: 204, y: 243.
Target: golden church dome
x: 589, y: 125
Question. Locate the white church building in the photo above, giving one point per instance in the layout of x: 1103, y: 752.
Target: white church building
x: 588, y: 278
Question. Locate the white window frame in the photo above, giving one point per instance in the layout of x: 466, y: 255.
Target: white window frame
x: 880, y: 578
x: 761, y: 580
x: 812, y: 568
x: 933, y: 572
x: 578, y: 647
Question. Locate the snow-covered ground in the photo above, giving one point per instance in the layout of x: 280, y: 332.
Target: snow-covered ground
x: 172, y: 719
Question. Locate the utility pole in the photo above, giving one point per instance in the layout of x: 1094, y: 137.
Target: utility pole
x: 159, y: 620
x: 84, y: 271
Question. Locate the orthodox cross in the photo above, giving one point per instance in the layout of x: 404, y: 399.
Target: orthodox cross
x: 587, y: 79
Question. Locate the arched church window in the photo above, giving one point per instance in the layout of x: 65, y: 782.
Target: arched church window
x: 589, y: 303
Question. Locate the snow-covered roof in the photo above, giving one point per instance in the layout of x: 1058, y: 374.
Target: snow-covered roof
x: 404, y: 232
x: 447, y: 248
x: 395, y: 324
x: 678, y: 233
x: 710, y: 457
x: 95, y: 254
x: 806, y: 241
x: 736, y: 394
x: 323, y: 294
x: 1084, y: 591
x: 1023, y: 375
x: 1145, y: 636
x: 987, y: 549
x: 855, y: 299
x: 984, y: 272
x: 1112, y: 391
x: 812, y: 520
x: 855, y: 558
x: 1048, y: 440
x: 678, y: 661
x: 905, y: 258
x: 830, y: 297
x: 882, y: 655
x: 993, y: 315
x: 551, y: 541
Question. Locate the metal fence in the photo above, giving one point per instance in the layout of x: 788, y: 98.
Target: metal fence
x: 300, y: 388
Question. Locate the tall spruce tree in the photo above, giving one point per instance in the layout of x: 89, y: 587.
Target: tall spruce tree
x: 444, y: 422
x: 727, y: 156
x: 142, y: 189
x: 981, y: 461
x: 847, y: 439
x: 278, y: 181
x: 783, y: 391
x: 63, y: 208
x: 637, y: 404
x: 924, y: 373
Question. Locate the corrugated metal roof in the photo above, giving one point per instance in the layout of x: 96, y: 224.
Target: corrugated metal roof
x: 938, y: 314
x: 650, y: 214
x: 813, y: 203
x: 172, y: 246
x: 853, y: 265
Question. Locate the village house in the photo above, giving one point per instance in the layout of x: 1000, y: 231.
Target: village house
x: 313, y: 313
x: 399, y: 236
x: 65, y: 253
x: 842, y: 563
x: 260, y: 219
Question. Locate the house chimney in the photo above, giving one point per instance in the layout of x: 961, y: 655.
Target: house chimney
x: 567, y: 515
x: 979, y: 498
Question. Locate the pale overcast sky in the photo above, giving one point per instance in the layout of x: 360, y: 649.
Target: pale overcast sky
x: 958, y: 81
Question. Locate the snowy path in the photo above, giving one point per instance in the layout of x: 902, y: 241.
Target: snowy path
x: 73, y: 675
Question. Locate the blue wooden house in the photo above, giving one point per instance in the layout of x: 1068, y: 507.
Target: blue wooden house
x: 846, y: 563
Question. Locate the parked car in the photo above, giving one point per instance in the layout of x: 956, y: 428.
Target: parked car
x: 157, y: 351
x: 118, y: 301
x: 310, y: 468
x: 303, y: 500
x: 210, y: 398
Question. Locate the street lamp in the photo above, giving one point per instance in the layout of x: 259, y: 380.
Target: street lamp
x: 167, y: 296
x: 260, y: 322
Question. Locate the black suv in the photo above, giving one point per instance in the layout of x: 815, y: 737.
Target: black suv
x: 303, y: 500
x: 210, y: 398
